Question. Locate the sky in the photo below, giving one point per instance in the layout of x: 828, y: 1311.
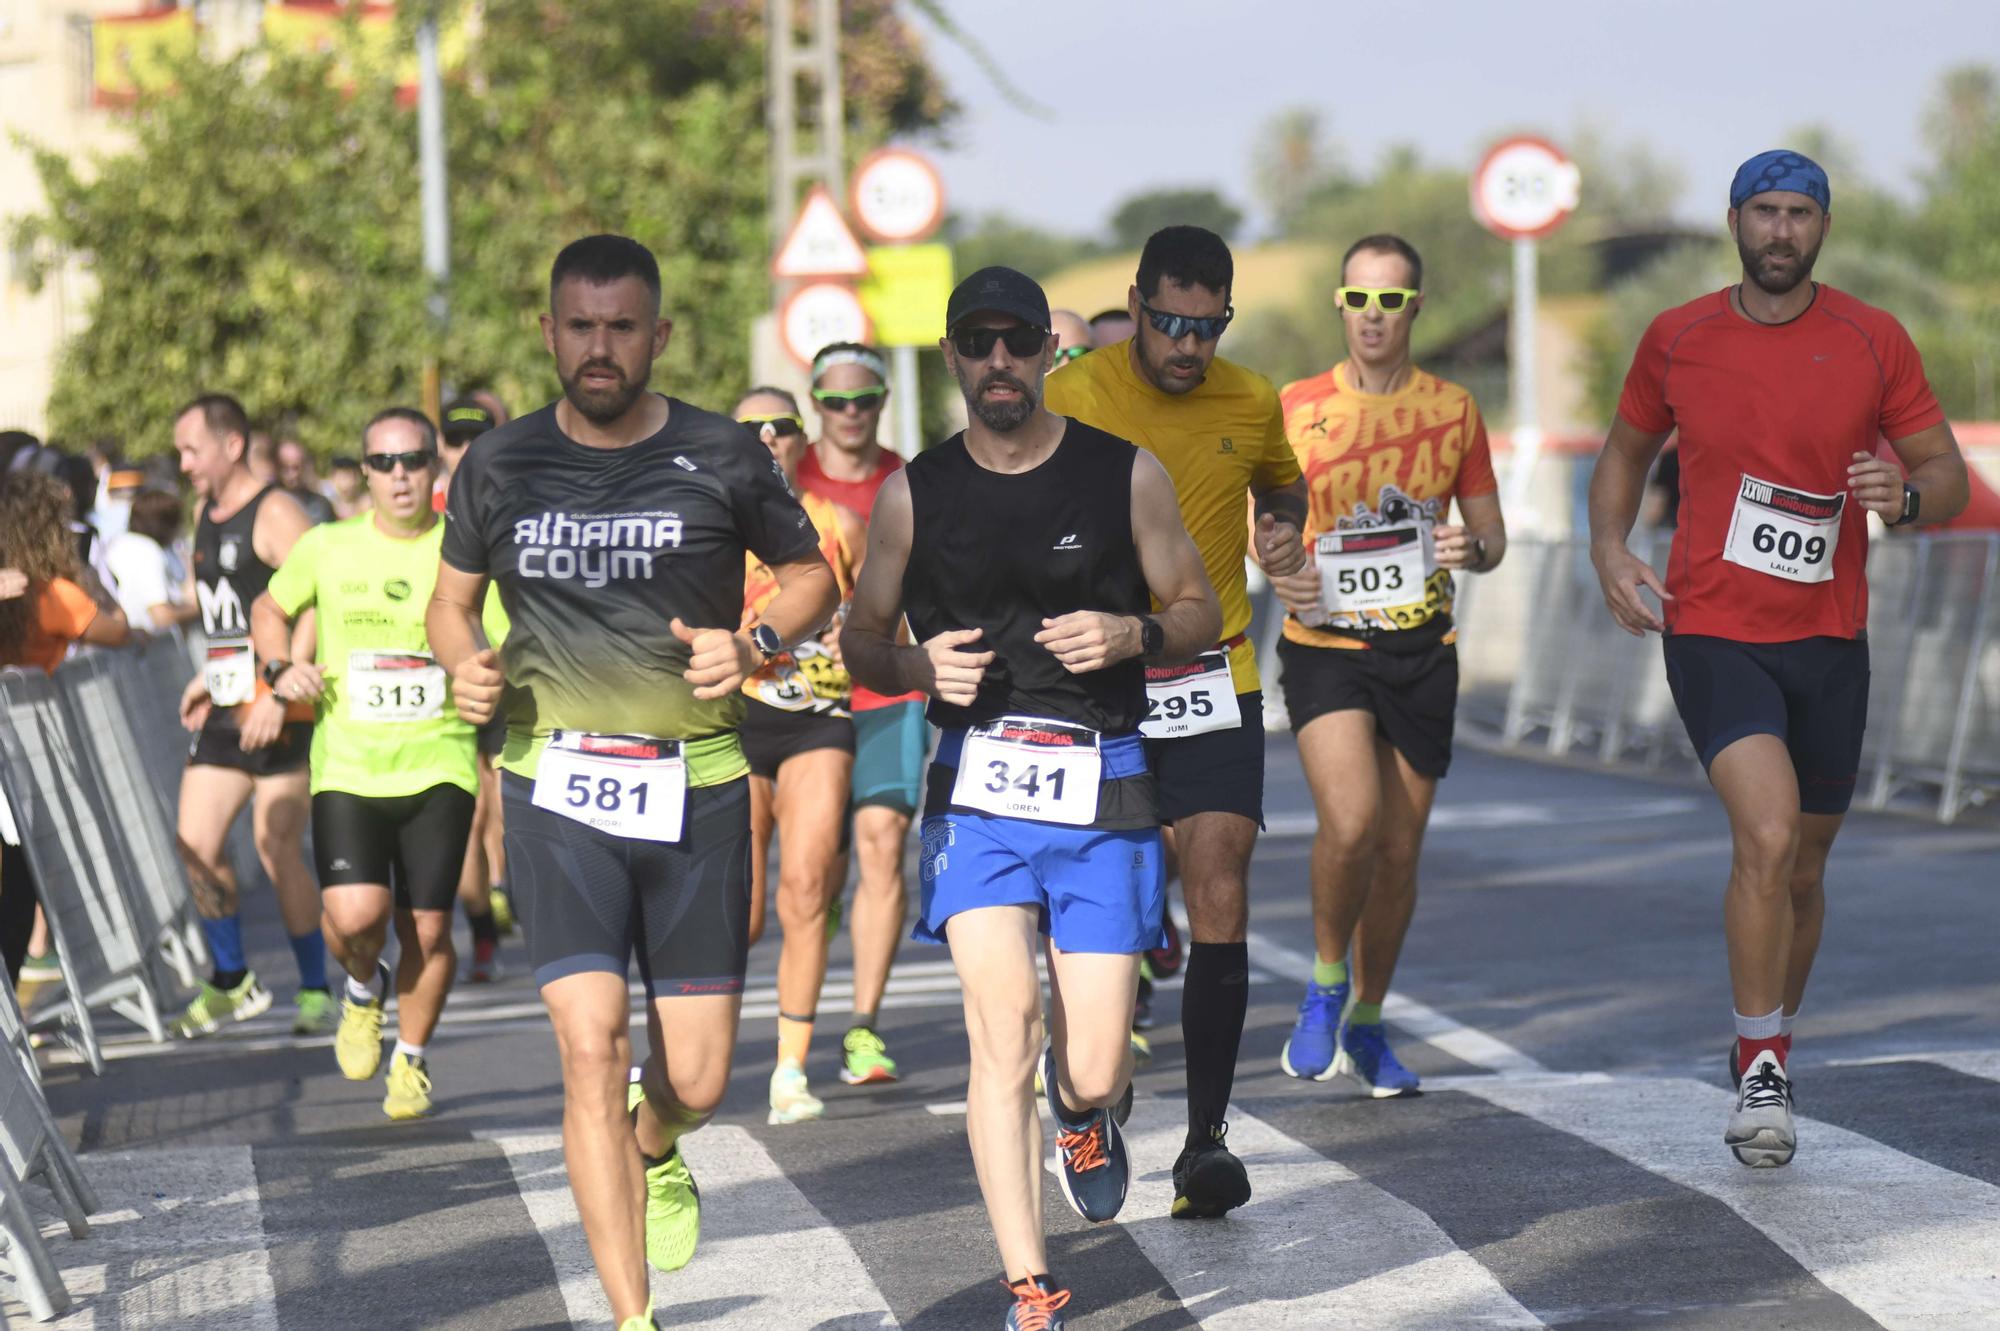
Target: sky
x: 1148, y: 93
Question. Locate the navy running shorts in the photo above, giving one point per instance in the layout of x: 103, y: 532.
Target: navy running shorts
x: 1218, y: 772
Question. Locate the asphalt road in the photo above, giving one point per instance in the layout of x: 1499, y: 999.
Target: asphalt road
x: 1563, y: 994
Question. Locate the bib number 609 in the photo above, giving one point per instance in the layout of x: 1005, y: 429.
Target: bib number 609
x: 1766, y: 539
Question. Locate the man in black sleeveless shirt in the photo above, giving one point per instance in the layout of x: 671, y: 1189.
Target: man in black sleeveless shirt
x: 247, y: 741
x: 1026, y: 553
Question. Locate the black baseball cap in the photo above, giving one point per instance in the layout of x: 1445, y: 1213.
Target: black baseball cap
x: 998, y: 290
x: 465, y: 419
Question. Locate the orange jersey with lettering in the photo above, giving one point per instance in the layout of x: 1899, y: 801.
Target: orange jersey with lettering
x: 805, y: 679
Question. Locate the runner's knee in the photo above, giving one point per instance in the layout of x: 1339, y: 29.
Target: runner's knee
x: 1097, y: 1077
x: 1005, y: 1034
x: 1766, y: 848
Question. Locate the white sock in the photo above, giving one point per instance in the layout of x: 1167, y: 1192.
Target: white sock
x: 408, y: 1050
x: 1785, y: 1022
x: 358, y: 991
x: 1765, y: 1027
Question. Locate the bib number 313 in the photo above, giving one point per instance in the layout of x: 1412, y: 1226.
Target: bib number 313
x: 394, y: 686
x: 627, y: 785
x: 1021, y: 767
x: 1785, y: 533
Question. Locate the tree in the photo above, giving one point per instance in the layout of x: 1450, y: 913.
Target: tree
x: 262, y: 234
x: 997, y: 238
x: 1142, y: 214
x: 1291, y: 164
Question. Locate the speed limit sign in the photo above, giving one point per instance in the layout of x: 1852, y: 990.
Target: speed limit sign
x: 897, y: 196
x: 1524, y: 188
x: 820, y: 313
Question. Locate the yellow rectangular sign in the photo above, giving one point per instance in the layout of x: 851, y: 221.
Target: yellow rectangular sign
x: 905, y: 293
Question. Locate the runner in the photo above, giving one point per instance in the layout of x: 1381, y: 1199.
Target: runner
x: 848, y: 465
x: 392, y: 764
x: 1370, y: 666
x: 800, y: 743
x: 1218, y: 430
x: 615, y: 523
x: 1779, y: 388
x: 248, y: 741
x: 1040, y: 815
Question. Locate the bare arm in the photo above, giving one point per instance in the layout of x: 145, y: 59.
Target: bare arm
x: 107, y: 628
x: 1276, y: 545
x: 1936, y: 470
x: 451, y: 624
x: 1454, y: 546
x: 280, y: 523
x: 1617, y: 485
x: 274, y: 636
x: 941, y: 667
x: 720, y: 659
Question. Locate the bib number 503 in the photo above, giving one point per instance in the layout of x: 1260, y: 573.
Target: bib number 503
x: 1767, y: 539
x: 1027, y: 779
x: 607, y: 794
x: 1350, y: 581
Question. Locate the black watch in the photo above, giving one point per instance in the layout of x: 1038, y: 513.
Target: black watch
x: 1152, y: 638
x: 1912, y: 501
x: 273, y: 669
x: 766, y: 640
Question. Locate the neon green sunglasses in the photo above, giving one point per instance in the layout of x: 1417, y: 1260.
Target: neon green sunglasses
x: 1387, y: 299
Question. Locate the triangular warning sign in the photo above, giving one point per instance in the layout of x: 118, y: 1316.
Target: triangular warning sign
x: 819, y: 243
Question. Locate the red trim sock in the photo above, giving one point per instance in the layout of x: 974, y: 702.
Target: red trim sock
x: 1748, y: 1049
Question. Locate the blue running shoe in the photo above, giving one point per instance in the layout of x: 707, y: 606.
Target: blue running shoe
x: 1095, y: 1168
x: 1309, y: 1054
x: 1365, y: 1055
x: 1038, y: 1305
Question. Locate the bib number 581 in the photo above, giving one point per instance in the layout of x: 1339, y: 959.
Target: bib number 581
x: 608, y: 794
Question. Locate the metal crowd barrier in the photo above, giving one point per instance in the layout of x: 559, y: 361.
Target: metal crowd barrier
x: 1542, y: 663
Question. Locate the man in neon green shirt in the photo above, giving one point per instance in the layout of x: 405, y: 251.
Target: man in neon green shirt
x: 393, y: 776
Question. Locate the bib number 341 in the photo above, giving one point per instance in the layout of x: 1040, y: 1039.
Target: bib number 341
x: 1022, y: 767
x: 627, y: 785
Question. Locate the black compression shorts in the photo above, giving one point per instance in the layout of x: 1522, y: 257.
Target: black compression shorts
x: 221, y: 745
x: 590, y: 900
x: 413, y: 844
x: 770, y: 735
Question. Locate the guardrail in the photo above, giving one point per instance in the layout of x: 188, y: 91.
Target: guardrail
x: 1542, y: 664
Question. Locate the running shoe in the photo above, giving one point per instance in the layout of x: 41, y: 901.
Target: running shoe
x: 1038, y: 1305
x: 643, y: 1322
x: 1095, y: 1170
x: 866, y: 1059
x: 485, y: 967
x: 1166, y: 961
x: 212, y: 1006
x: 1142, y: 1048
x: 1208, y: 1179
x: 791, y: 1101
x: 834, y: 911
x: 1365, y: 1055
x: 1309, y: 1052
x: 409, y: 1088
x: 673, y: 1202
x: 503, y: 911
x: 41, y: 966
x: 1761, y: 1131
x: 357, y: 1043
x: 1736, y: 1061
x: 314, y: 1012
x: 1142, y: 1007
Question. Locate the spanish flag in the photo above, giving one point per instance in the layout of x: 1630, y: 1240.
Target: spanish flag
x: 134, y: 54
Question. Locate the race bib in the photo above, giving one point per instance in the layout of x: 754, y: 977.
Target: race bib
x: 1372, y: 568
x: 1788, y: 534
x: 1191, y: 699
x: 230, y: 673
x: 627, y: 785
x: 394, y: 686
x: 1021, y: 767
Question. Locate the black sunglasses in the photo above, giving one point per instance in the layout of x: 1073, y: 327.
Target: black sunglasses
x: 1178, y: 326
x: 1023, y: 340
x: 783, y: 424
x: 412, y: 461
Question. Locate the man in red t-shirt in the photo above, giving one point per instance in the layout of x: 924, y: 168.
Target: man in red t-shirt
x: 1779, y: 388
x: 847, y: 464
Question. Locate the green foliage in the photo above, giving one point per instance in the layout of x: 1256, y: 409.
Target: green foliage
x: 1142, y: 214
x: 997, y: 238
x: 262, y: 235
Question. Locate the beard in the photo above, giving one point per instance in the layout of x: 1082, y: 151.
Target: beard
x: 1001, y: 417
x: 601, y: 406
x: 1156, y: 371
x: 1773, y: 279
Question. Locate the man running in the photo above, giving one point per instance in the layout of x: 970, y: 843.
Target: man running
x: 848, y: 465
x: 615, y: 523
x: 392, y: 762
x: 1780, y: 389
x: 1218, y: 430
x: 1026, y: 552
x: 800, y: 744
x: 248, y: 741
x: 1369, y: 656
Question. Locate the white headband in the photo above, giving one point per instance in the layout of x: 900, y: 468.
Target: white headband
x: 866, y: 359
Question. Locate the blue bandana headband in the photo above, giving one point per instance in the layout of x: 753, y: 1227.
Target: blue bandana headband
x: 1780, y: 169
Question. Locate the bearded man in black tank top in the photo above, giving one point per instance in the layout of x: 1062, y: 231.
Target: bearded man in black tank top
x: 1027, y: 552
x: 247, y: 741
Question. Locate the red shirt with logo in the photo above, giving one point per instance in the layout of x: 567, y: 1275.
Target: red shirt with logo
x: 1771, y: 546
x: 859, y: 496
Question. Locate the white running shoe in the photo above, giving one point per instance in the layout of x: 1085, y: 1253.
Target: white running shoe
x: 1761, y: 1132
x: 791, y: 1102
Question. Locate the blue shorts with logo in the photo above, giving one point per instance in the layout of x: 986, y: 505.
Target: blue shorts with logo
x: 1097, y: 889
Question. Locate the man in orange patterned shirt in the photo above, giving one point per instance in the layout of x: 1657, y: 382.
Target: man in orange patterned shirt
x: 1369, y: 662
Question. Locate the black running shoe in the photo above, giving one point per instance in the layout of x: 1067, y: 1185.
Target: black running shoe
x: 1208, y: 1179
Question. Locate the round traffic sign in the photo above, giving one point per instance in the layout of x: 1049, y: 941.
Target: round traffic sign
x: 897, y: 196
x: 1524, y: 188
x: 817, y: 314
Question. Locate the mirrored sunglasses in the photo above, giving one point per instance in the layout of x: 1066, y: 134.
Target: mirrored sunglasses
x: 1178, y: 326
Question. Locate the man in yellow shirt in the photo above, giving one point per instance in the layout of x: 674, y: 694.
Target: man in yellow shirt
x: 1219, y: 431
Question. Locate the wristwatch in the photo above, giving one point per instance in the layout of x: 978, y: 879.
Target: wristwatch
x: 1912, y: 500
x: 1152, y: 638
x: 273, y: 669
x: 766, y: 640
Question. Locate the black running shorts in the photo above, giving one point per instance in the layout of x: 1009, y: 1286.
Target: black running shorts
x: 1413, y: 695
x: 589, y: 900
x: 1812, y: 694
x: 219, y: 744
x: 770, y: 735
x: 413, y: 844
x: 1219, y: 772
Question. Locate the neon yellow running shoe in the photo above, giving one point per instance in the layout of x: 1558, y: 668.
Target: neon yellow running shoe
x: 503, y: 910
x: 673, y: 1213
x: 643, y: 1322
x: 313, y: 1012
x: 866, y: 1058
x: 409, y: 1088
x: 212, y: 1006
x: 357, y: 1044
x: 1142, y: 1048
